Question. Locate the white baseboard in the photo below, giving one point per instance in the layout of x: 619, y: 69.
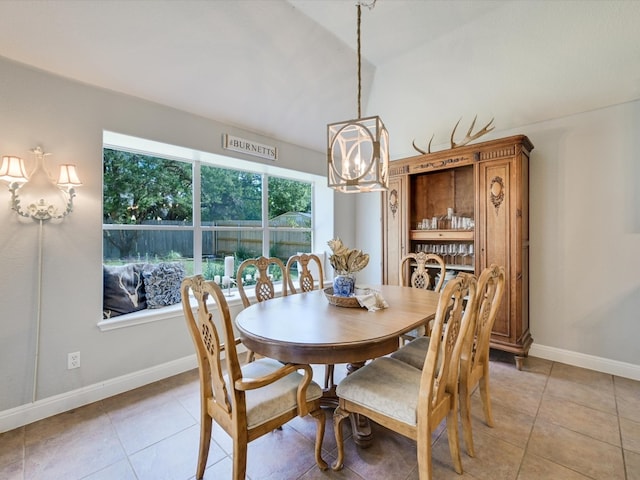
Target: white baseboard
x: 31, y: 412
x: 591, y: 362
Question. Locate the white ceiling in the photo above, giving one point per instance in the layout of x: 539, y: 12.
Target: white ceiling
x: 286, y: 68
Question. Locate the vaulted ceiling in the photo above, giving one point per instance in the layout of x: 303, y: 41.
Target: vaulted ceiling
x: 286, y: 68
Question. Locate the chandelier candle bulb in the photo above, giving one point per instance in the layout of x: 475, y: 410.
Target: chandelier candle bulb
x: 228, y: 266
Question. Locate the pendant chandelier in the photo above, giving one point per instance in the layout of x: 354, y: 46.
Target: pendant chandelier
x: 358, y: 150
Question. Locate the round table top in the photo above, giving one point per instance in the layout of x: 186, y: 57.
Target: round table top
x: 306, y: 328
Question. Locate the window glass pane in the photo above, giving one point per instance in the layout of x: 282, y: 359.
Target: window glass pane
x: 230, y: 197
x: 289, y: 203
x: 287, y: 243
x: 141, y: 190
x: 241, y: 244
x: 148, y: 246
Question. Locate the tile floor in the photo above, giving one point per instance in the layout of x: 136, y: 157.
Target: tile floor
x: 553, y: 421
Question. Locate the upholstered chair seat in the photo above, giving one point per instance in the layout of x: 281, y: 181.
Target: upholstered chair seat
x: 414, y: 352
x: 271, y: 401
x: 388, y: 386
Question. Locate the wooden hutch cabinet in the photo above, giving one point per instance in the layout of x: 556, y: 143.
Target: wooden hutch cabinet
x: 469, y: 205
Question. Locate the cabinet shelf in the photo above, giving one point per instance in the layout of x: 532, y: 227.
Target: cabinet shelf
x: 461, y: 268
x: 455, y: 235
x: 448, y: 266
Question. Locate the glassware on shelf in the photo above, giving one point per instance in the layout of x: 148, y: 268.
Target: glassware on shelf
x: 452, y: 250
x: 442, y: 251
x: 461, y: 222
x: 462, y: 253
x: 456, y: 255
x: 448, y: 221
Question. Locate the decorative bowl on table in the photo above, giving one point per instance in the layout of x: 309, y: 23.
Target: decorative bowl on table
x: 350, y: 302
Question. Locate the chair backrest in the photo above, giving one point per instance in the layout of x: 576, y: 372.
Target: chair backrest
x: 491, y: 285
x: 420, y: 276
x: 210, y: 342
x: 441, y: 368
x: 264, y: 289
x: 306, y: 281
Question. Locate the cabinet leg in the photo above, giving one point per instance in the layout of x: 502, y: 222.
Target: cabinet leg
x: 519, y: 361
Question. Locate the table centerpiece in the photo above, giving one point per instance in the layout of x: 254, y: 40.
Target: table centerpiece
x: 345, y: 262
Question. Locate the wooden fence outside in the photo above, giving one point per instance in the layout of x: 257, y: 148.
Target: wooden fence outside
x: 164, y: 244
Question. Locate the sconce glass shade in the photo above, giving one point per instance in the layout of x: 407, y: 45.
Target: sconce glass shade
x: 12, y: 170
x: 358, y: 155
x: 38, y: 196
x: 68, y: 177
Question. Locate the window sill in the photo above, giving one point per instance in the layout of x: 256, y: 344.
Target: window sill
x: 157, y: 314
x: 150, y: 315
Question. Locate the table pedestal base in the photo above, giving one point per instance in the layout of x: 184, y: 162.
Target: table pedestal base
x: 360, y: 427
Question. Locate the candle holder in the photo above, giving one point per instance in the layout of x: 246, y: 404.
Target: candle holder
x: 229, y: 294
x: 227, y: 283
x: 227, y: 279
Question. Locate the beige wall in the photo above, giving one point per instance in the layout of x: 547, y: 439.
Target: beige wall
x: 68, y: 119
x: 585, y: 238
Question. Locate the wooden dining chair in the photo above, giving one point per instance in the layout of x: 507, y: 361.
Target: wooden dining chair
x: 474, y: 359
x: 408, y: 400
x: 307, y: 283
x: 415, y: 352
x: 264, y: 289
x: 420, y: 278
x: 245, y: 401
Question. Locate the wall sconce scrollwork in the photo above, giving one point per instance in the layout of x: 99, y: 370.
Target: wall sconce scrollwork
x: 37, y: 195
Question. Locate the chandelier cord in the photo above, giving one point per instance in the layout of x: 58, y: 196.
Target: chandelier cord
x: 359, y: 62
x: 369, y: 6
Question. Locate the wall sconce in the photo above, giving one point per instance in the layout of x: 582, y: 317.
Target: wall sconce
x: 45, y: 199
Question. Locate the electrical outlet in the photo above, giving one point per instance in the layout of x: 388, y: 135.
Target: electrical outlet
x: 73, y: 360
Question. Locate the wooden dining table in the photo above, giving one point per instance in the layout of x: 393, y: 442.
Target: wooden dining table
x: 307, y: 329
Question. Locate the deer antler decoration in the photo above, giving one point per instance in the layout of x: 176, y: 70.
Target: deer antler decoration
x: 428, y: 147
x: 468, y: 138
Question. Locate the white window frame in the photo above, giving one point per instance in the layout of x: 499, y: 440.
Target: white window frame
x: 321, y: 222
